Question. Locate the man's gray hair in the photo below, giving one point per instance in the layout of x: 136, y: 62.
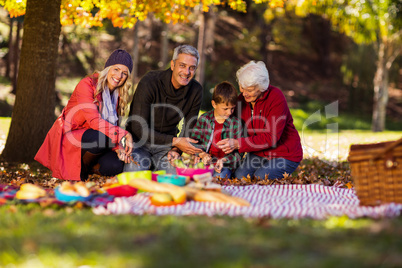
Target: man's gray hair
x: 186, y: 49
x: 253, y: 74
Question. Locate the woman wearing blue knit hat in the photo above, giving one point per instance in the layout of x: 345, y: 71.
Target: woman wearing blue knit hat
x: 86, y: 138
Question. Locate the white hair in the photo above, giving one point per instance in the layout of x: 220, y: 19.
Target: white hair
x: 185, y: 49
x: 253, y: 74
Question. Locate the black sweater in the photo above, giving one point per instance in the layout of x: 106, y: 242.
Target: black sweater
x: 158, y: 107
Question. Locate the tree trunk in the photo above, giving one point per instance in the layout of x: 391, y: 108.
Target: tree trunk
x: 205, y: 42
x: 319, y: 31
x: 134, y: 74
x: 209, y: 43
x: 10, y: 50
x: 33, y: 112
x: 16, y: 55
x: 380, y: 91
x: 164, y: 46
x: 200, y: 46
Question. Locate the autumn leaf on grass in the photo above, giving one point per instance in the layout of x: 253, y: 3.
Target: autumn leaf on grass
x: 246, y: 180
x: 285, y: 175
x: 297, y: 181
x: 18, y: 181
x: 349, y: 185
x: 318, y: 183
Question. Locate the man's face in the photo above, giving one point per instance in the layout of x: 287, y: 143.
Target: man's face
x: 250, y: 94
x: 183, y: 70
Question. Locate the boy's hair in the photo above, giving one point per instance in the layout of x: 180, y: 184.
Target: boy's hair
x: 225, y: 92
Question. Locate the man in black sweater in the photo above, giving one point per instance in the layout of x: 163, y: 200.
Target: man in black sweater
x: 161, y: 100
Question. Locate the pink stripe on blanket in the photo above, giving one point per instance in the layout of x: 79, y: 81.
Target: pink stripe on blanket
x: 275, y: 201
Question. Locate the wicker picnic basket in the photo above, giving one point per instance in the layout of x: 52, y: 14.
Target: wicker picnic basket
x: 376, y: 170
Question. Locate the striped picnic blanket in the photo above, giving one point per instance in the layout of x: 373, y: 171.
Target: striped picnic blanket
x: 274, y: 201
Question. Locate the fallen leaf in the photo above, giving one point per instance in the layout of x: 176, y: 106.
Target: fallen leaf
x: 349, y: 185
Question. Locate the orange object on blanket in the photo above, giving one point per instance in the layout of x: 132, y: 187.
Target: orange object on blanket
x: 163, y: 204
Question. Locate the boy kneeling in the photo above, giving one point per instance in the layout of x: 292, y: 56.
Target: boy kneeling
x: 216, y: 125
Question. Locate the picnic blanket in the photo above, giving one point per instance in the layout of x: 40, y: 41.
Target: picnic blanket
x: 274, y: 201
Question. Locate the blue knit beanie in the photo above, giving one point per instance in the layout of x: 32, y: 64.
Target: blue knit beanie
x: 120, y: 56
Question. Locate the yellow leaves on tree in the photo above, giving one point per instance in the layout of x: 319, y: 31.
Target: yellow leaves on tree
x: 125, y: 13
x: 15, y: 8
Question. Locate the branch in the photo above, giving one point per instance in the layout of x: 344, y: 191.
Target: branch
x: 393, y: 56
x: 395, y: 36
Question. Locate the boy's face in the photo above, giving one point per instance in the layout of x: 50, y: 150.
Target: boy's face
x: 222, y: 111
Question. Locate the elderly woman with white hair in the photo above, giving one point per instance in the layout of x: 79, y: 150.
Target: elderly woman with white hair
x: 272, y: 142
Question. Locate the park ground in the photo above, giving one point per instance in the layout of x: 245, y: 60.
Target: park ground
x: 40, y: 235
x: 34, y: 235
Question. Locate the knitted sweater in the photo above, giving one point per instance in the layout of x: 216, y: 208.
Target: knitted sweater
x: 270, y: 128
x: 158, y: 107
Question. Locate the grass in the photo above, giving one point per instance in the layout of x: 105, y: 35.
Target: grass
x: 74, y: 238
x: 335, y: 146
x: 35, y: 236
x: 4, y: 125
x: 308, y: 119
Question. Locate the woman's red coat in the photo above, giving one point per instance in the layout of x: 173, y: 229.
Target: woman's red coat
x: 61, y: 150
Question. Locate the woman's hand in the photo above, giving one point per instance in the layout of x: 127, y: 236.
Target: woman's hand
x: 228, y: 145
x: 128, y: 144
x: 172, y: 155
x: 123, y: 156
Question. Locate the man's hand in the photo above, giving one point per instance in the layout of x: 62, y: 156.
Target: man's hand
x: 206, y: 158
x: 173, y: 155
x: 185, y: 146
x: 228, y: 145
x: 219, y: 165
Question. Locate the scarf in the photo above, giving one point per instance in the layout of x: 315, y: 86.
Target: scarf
x: 109, y: 112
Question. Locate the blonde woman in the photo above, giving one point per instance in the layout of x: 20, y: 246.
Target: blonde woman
x: 86, y: 137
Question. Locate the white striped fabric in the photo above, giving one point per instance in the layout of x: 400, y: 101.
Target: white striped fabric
x: 275, y: 201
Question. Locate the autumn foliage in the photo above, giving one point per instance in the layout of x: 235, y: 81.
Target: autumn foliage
x: 124, y: 13
x: 310, y: 171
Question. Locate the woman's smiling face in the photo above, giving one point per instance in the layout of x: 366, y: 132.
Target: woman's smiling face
x: 116, y: 76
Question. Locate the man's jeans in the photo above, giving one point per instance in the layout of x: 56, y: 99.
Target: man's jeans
x: 150, y: 157
x: 261, y: 166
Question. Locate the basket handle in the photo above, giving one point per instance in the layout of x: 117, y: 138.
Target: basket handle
x: 388, y: 148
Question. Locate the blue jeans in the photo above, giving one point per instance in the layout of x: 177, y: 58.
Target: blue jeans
x: 150, y: 157
x: 224, y: 172
x: 259, y: 167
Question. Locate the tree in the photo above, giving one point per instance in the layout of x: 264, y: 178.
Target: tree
x: 373, y: 21
x: 33, y: 112
x: 16, y: 53
x: 10, y: 50
x: 206, y: 40
x: 34, y: 107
